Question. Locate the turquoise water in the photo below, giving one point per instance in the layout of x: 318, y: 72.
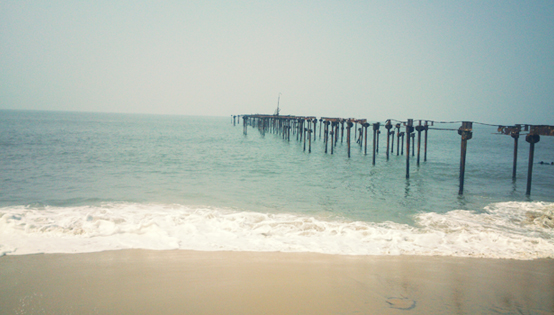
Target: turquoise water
x: 80, y: 164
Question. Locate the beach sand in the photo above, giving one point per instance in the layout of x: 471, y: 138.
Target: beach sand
x: 192, y: 282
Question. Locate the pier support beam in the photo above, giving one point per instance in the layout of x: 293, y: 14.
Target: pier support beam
x: 332, y: 137
x: 413, y: 143
x: 409, y: 130
x: 419, y: 128
x: 532, y: 139
x: 326, y: 134
x: 466, y: 132
x: 401, y: 142
x: 515, y: 135
x: 304, y: 129
x: 336, y: 123
x: 375, y: 139
x: 392, y: 138
x: 425, y: 146
x: 349, y: 125
x: 320, y: 123
x: 377, y: 146
x: 315, y: 127
x: 310, y: 140
x: 341, y: 130
x: 365, y: 125
x: 397, y: 139
x: 388, y: 126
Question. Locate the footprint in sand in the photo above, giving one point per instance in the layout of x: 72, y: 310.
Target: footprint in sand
x: 401, y: 303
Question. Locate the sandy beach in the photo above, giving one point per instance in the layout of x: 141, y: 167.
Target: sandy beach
x: 191, y: 282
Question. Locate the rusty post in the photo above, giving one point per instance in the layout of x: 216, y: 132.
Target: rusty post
x: 335, y: 127
x: 336, y: 132
x: 320, y: 123
x: 425, y: 146
x: 378, y: 136
x: 310, y: 140
x: 332, y: 137
x: 297, y: 128
x: 315, y: 126
x: 304, y: 135
x: 288, y: 130
x: 302, y: 128
x: 515, y: 135
x: 365, y: 125
x: 419, y: 129
x: 375, y: 131
x: 392, y: 140
x: 409, y: 132
x: 466, y: 132
x: 401, y: 143
x: 532, y: 139
x: 326, y: 135
x: 348, y: 127
x: 398, y: 144
x: 388, y: 126
x: 413, y: 143
x: 341, y: 130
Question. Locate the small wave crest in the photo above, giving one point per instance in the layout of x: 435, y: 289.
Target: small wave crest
x: 515, y: 230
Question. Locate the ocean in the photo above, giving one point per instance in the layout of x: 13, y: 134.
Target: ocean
x: 73, y: 182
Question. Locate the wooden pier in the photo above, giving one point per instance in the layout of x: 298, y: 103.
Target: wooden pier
x: 305, y: 130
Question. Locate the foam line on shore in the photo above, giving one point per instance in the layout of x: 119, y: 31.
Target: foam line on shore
x: 517, y: 230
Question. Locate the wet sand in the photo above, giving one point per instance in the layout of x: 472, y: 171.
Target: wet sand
x: 190, y: 282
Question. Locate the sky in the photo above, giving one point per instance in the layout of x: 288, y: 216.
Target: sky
x: 483, y: 61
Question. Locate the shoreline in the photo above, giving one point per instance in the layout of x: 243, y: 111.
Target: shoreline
x: 136, y: 281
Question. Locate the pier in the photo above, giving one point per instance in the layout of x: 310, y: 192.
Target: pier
x: 304, y: 128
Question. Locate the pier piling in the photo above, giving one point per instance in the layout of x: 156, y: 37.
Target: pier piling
x: 244, y: 122
x: 332, y: 137
x: 375, y: 132
x: 425, y: 146
x: 413, y: 143
x: 515, y: 135
x: 388, y: 126
x: 310, y: 140
x: 348, y: 127
x: 401, y: 143
x: 409, y: 130
x: 326, y: 134
x: 532, y: 139
x: 341, y: 129
x: 419, y: 128
x: 466, y: 132
x: 377, y: 146
x: 365, y: 125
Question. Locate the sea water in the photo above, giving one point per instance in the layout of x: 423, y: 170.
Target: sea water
x: 80, y: 182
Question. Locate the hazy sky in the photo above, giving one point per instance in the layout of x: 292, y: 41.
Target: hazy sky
x: 488, y: 61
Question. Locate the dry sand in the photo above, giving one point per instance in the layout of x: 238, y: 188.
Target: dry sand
x: 189, y: 282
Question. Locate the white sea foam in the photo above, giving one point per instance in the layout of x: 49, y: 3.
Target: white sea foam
x: 517, y: 230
